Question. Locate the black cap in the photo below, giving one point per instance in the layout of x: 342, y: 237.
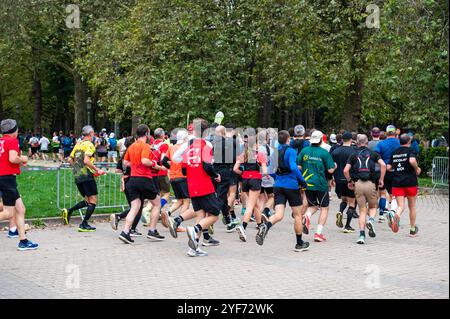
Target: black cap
x: 347, y: 136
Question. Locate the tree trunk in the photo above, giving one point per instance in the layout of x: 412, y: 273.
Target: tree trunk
x: 352, y: 119
x: 37, y: 94
x: 267, y: 110
x: 80, y: 93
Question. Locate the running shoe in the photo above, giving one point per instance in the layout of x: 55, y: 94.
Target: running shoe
x: 414, y: 232
x: 381, y: 219
x: 210, y: 242
x: 13, y: 234
x: 361, y: 240
x: 302, y: 247
x: 211, y: 230
x: 28, y: 246
x: 231, y: 228
x: 196, y: 253
x: 165, y: 219
x: 154, y: 235
x: 339, y: 217
x: 252, y: 219
x: 306, y: 224
x: 319, y: 238
x: 241, y: 232
x: 86, y: 228
x: 192, y: 236
x: 390, y: 218
x: 348, y: 230
x: 371, y: 229
x: 126, y: 238
x: 172, y: 227
x: 135, y: 233
x: 396, y: 223
x: 224, y: 220
x: 65, y: 216
x: 114, y: 221
x: 261, y: 235
x: 235, y: 221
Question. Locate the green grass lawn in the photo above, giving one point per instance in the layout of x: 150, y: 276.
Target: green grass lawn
x: 38, y: 190
x: 39, y: 193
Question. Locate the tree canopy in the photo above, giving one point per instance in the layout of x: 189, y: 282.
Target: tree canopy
x: 262, y: 62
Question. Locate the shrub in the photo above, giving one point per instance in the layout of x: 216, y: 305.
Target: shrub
x: 426, y: 157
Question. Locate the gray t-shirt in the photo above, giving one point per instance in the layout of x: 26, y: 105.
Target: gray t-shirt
x: 372, y: 144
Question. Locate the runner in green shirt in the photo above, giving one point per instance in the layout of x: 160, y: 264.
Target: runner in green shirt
x: 317, y: 166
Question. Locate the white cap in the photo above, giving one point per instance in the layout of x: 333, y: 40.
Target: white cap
x: 316, y: 137
x: 112, y: 135
x: 333, y: 138
x: 181, y: 136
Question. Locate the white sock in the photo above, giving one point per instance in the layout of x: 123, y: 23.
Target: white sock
x: 309, y: 214
x: 319, y: 229
x: 13, y: 229
x: 394, y: 205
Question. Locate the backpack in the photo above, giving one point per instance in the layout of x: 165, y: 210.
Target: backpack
x: 112, y: 144
x: 282, y: 169
x: 362, y: 168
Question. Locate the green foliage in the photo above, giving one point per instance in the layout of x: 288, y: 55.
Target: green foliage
x: 426, y: 157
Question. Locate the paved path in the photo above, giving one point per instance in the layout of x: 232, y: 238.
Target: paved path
x: 74, y: 265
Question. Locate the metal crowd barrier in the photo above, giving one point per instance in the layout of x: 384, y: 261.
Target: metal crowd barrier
x: 108, y: 186
x: 439, y: 172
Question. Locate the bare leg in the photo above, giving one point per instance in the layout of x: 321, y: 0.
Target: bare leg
x: 412, y: 211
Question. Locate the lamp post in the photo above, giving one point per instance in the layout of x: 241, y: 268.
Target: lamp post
x: 89, y: 109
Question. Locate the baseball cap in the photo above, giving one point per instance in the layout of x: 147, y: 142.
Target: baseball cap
x: 333, y: 138
x: 181, y: 135
x: 316, y: 137
x: 390, y: 129
x: 8, y: 126
x: 376, y: 132
x: 347, y: 136
x: 299, y: 130
x: 112, y: 135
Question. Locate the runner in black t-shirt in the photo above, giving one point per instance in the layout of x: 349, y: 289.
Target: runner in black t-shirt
x: 405, y: 169
x: 340, y: 156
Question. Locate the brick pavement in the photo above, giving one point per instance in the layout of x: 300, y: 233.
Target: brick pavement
x: 389, y: 266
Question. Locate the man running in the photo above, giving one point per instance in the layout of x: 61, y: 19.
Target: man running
x: 198, y: 168
x: 361, y: 176
x: 140, y: 186
x: 376, y: 133
x: 82, y: 159
x: 10, y: 161
x: 405, y: 169
x: 286, y: 189
x: 224, y: 149
x: 43, y: 147
x: 316, y: 162
x: 386, y: 148
x: 344, y: 193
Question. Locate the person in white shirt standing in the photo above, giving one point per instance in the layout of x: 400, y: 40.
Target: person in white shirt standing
x: 43, y: 143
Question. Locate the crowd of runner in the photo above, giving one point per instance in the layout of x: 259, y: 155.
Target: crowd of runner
x: 213, y: 169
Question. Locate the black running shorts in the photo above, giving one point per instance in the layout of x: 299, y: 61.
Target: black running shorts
x: 342, y: 190
x: 267, y: 190
x: 317, y: 198
x: 388, y: 181
x: 180, y: 188
x: 87, y: 188
x: 8, y: 190
x: 251, y: 184
x: 208, y: 203
x: 141, y: 188
x: 284, y: 195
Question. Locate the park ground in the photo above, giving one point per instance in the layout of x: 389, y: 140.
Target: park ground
x: 97, y: 265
